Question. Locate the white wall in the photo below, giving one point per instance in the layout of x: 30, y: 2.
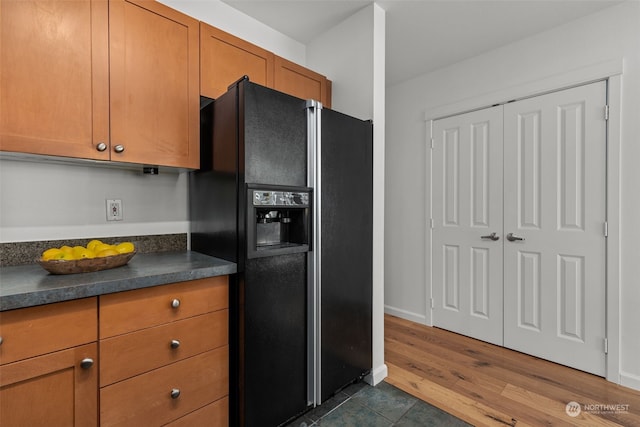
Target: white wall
x: 352, y: 55
x: 611, y: 35
x: 50, y: 201
x: 345, y: 55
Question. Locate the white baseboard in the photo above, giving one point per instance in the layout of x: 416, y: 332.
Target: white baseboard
x: 377, y: 375
x: 405, y: 314
x: 630, y: 380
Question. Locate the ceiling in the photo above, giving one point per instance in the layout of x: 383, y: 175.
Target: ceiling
x: 425, y: 35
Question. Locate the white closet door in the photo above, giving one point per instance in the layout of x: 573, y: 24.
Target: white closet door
x: 554, y: 199
x: 467, y: 209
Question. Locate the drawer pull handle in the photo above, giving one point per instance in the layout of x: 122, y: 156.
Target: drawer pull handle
x: 175, y: 344
x: 175, y: 393
x: 86, y: 363
x: 175, y: 303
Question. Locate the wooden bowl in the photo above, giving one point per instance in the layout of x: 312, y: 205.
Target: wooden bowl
x: 85, y: 265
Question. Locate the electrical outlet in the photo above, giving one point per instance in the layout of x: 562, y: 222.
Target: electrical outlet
x: 114, y: 210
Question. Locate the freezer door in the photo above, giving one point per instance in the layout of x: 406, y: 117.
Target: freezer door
x: 272, y: 331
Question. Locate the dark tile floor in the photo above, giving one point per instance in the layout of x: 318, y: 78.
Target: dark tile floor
x: 381, y: 406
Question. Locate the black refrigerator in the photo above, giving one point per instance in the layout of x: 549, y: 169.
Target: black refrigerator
x: 285, y: 190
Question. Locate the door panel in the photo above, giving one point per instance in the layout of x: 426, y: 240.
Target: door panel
x: 467, y: 200
x: 554, y: 195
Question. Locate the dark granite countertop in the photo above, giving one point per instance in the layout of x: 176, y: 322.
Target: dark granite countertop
x: 30, y: 285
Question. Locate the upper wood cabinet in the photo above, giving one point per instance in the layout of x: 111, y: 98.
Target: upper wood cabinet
x: 54, y: 82
x: 302, y: 82
x: 154, y: 77
x: 121, y: 80
x: 225, y: 58
x: 116, y: 80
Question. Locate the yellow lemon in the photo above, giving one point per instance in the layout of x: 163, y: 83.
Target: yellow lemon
x: 83, y: 253
x: 53, y: 253
x: 66, y: 249
x: 125, y: 247
x: 101, y: 247
x: 92, y: 244
x: 107, y: 252
x: 67, y: 256
x: 77, y: 250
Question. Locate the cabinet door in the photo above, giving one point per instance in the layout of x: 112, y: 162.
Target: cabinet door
x: 51, y: 390
x: 225, y: 58
x: 154, y: 71
x: 54, y: 83
x: 302, y: 82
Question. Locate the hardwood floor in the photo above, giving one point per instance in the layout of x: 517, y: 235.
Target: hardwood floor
x: 487, y: 385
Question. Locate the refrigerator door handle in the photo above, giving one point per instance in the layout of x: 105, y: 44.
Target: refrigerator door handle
x: 314, y: 111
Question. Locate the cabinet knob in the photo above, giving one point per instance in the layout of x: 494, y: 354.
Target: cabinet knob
x: 101, y: 146
x: 118, y: 148
x: 175, y: 303
x: 175, y: 393
x: 1, y: 340
x: 175, y: 344
x: 86, y: 363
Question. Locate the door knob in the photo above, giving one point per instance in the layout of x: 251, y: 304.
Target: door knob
x: 493, y: 236
x: 512, y: 237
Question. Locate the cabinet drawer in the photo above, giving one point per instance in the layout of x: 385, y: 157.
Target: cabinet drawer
x: 215, y: 414
x: 131, y: 354
x: 28, y: 332
x: 143, y: 308
x: 147, y: 399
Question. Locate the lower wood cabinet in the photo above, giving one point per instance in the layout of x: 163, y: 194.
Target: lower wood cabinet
x: 49, y: 365
x: 164, y: 355
x: 148, y: 357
